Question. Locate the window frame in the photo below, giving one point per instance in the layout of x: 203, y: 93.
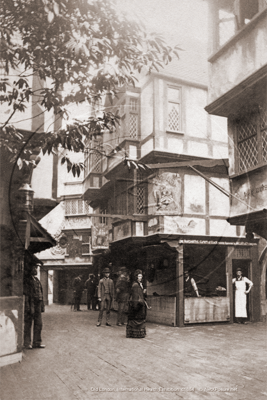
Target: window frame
x: 86, y: 244
x: 84, y: 206
x: 180, y: 103
x: 260, y: 129
x: 135, y: 113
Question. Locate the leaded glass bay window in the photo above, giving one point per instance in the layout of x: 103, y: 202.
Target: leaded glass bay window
x: 251, y: 139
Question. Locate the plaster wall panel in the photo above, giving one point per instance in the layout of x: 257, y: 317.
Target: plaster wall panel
x: 219, y: 203
x: 219, y: 151
x: 196, y: 116
x: 220, y: 227
x: 159, y: 143
x: 198, y: 149
x: 251, y: 189
x: 147, y: 111
x: 146, y: 147
x: 76, y: 188
x: 194, y: 194
x: 133, y: 151
x: 219, y: 128
x: 185, y: 226
x: 175, y: 145
x: 160, y: 101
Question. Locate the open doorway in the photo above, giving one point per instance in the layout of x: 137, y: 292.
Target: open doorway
x: 245, y: 267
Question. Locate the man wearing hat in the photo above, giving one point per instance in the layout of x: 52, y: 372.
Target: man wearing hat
x: 34, y: 306
x: 241, y: 292
x: 105, y: 295
x: 122, y: 294
x: 90, y: 285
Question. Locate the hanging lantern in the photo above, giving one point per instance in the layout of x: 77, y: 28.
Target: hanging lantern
x: 26, y: 197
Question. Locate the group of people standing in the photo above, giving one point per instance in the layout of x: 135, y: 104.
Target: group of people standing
x: 92, y: 296
x: 130, y: 298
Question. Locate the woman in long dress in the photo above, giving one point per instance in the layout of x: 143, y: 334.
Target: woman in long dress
x: 137, y: 309
x: 241, y: 296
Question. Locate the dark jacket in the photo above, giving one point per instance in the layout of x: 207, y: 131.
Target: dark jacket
x: 32, y: 298
x: 137, y: 307
x: 122, y: 289
x: 90, y: 285
x: 78, y: 285
x: 101, y: 288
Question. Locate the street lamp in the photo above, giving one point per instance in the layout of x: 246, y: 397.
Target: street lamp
x: 26, y: 197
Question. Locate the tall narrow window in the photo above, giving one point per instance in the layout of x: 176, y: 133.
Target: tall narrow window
x: 174, y: 110
x: 263, y: 133
x: 133, y: 118
x: 95, y: 161
x: 140, y: 194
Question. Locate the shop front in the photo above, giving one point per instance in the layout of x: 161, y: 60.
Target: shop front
x: 189, y: 279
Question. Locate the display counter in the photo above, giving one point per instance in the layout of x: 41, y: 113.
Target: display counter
x: 206, y: 309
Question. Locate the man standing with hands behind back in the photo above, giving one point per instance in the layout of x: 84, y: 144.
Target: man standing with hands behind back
x: 105, y: 295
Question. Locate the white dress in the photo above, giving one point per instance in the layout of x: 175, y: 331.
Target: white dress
x: 241, y: 297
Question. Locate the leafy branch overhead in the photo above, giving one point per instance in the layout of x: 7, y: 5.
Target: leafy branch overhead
x: 80, y: 50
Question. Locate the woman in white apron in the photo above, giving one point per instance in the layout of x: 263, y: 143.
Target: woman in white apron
x: 241, y: 296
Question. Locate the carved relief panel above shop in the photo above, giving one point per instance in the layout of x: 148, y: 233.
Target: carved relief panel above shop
x: 164, y: 194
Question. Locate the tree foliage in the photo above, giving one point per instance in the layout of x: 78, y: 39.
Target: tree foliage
x: 88, y: 45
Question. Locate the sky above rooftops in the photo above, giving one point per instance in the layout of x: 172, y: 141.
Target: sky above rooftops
x: 183, y: 23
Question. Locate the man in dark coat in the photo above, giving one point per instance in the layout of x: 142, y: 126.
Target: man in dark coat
x: 105, y: 295
x: 34, y: 306
x: 90, y: 286
x: 122, y: 294
x: 78, y: 291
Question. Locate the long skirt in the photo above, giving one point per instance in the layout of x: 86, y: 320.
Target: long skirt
x: 136, y: 322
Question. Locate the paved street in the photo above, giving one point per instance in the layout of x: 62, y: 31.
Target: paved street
x: 82, y: 361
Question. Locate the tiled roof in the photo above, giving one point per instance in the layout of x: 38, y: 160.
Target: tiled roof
x: 192, y: 64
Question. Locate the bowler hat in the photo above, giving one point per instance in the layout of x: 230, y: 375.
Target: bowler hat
x: 239, y: 269
x: 106, y: 270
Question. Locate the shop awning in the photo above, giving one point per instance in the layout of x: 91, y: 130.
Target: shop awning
x: 255, y: 222
x: 39, y: 239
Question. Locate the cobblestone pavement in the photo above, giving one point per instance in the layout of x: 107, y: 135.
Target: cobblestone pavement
x: 82, y: 361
